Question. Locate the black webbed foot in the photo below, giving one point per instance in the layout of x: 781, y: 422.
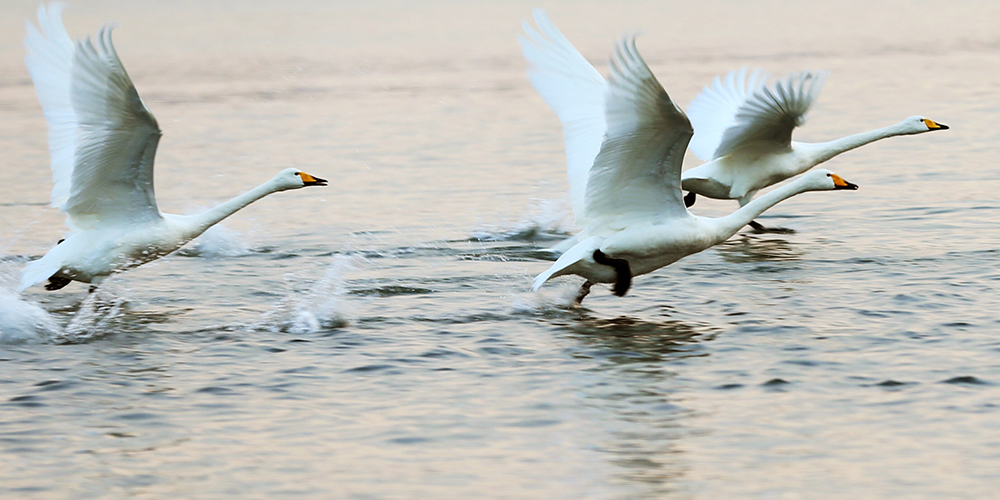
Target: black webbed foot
x: 623, y: 269
x: 56, y: 282
x: 689, y: 199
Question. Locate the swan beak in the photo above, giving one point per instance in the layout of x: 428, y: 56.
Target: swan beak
x: 840, y: 183
x: 933, y: 125
x: 309, y: 180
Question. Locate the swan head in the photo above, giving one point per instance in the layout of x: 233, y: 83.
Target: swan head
x: 825, y: 180
x: 919, y: 124
x: 293, y: 178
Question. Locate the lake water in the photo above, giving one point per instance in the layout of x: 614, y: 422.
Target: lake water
x: 378, y: 339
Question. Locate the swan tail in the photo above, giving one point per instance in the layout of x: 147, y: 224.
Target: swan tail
x: 36, y: 272
x: 579, y: 252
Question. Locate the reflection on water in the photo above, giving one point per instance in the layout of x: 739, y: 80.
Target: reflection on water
x: 750, y: 248
x: 626, y: 340
x: 248, y: 365
x: 633, y: 387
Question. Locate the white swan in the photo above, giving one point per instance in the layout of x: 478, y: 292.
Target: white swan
x: 102, y: 140
x: 743, y: 130
x: 637, y: 219
x: 742, y: 124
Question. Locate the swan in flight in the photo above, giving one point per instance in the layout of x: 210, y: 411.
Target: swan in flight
x: 637, y: 218
x: 102, y: 140
x: 742, y: 125
x: 743, y: 131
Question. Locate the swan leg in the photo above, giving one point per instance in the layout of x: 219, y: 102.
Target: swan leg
x: 621, y: 266
x: 584, y: 291
x: 689, y: 199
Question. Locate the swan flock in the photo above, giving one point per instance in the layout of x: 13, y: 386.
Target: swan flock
x: 624, y: 137
x: 625, y: 140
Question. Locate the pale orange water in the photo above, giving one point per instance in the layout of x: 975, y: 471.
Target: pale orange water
x: 357, y: 342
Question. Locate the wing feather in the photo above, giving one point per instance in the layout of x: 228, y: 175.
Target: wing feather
x: 637, y: 172
x: 741, y: 109
x: 574, y: 90
x: 101, y: 136
x: 49, y: 59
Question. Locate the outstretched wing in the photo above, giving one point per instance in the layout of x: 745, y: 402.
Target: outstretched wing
x: 102, y: 139
x: 742, y: 109
x: 575, y: 91
x: 637, y: 174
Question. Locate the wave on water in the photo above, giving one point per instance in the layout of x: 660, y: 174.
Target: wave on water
x: 311, y: 306
x: 546, y: 220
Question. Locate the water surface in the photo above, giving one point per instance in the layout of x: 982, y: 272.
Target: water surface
x: 378, y: 338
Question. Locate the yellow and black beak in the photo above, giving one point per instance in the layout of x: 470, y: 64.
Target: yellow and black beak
x: 309, y: 180
x: 933, y: 125
x: 840, y: 183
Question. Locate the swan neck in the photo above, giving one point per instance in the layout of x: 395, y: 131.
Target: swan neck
x: 730, y: 224
x: 825, y: 150
x: 213, y: 216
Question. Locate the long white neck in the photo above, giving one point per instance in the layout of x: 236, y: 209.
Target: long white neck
x: 727, y: 226
x: 198, y: 223
x: 821, y: 151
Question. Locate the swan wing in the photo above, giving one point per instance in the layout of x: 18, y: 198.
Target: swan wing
x: 574, y: 90
x: 638, y: 170
x: 102, y: 139
x: 741, y: 109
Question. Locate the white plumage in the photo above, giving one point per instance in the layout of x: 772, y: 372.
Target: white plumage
x: 740, y: 108
x: 102, y: 140
x: 742, y: 126
x: 575, y: 91
x: 637, y: 221
x: 743, y: 130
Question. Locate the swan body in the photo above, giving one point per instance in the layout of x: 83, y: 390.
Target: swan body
x: 652, y: 243
x: 637, y: 221
x: 102, y: 140
x: 743, y: 130
x: 742, y: 127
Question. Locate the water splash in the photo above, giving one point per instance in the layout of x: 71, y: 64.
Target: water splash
x: 311, y: 306
x: 217, y: 242
x: 24, y: 321
x: 545, y: 220
x: 94, y: 317
x: 21, y: 320
x: 546, y: 300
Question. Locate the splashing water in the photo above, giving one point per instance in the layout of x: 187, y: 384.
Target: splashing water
x: 546, y: 300
x: 24, y: 320
x: 218, y: 241
x: 311, y: 307
x: 94, y: 317
x: 546, y: 219
x: 21, y: 320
